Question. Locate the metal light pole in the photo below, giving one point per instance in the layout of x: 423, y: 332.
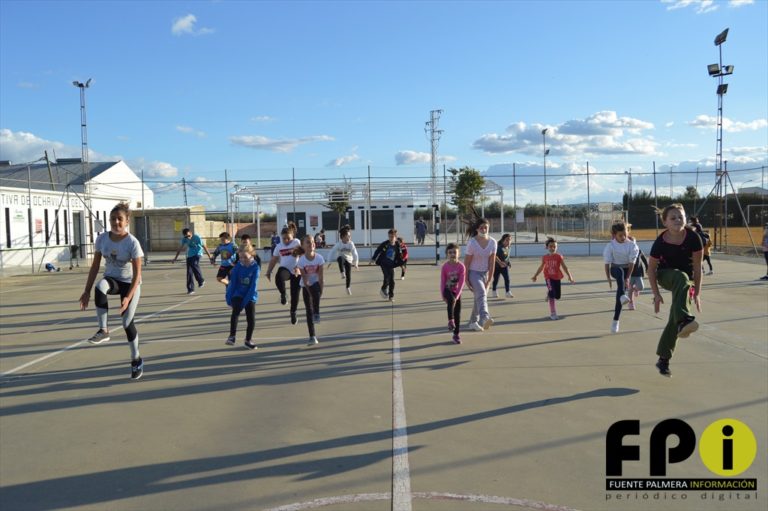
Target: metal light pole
x: 546, y: 152
x: 84, y: 153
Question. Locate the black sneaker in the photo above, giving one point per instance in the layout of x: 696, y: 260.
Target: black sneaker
x: 283, y: 299
x: 293, y: 318
x: 663, y: 366
x: 137, y: 368
x: 686, y: 327
x: 248, y: 344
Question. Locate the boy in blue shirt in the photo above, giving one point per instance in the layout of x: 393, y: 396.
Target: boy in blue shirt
x: 195, y: 248
x: 228, y: 251
x: 242, y: 294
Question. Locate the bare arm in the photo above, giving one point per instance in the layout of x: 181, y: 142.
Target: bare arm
x: 697, y: 258
x: 178, y: 252
x: 536, y: 275
x: 92, y: 273
x: 272, y: 263
x: 467, y: 262
x: 653, y: 266
x: 567, y: 271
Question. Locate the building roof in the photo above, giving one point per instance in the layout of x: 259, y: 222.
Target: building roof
x: 62, y: 173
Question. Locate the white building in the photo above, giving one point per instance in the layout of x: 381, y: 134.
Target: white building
x: 43, y: 213
x: 312, y: 216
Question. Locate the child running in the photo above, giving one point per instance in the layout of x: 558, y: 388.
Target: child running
x: 551, y: 264
x: 675, y: 265
x: 195, y: 247
x: 404, y: 251
x: 286, y: 272
x: 480, y: 263
x: 242, y: 294
x: 311, y: 267
x: 122, y: 255
x: 619, y: 257
x: 388, y: 256
x: 228, y: 252
x: 345, y: 254
x: 502, y: 266
x: 452, y: 277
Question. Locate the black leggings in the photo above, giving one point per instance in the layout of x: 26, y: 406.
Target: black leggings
x: 250, y: 308
x: 388, y: 286
x: 454, y: 309
x: 345, y: 267
x: 283, y: 275
x: 501, y: 272
x: 709, y: 261
x: 311, y: 297
x: 619, y: 274
x: 403, y: 268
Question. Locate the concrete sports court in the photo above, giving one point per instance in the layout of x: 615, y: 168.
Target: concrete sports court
x: 384, y: 414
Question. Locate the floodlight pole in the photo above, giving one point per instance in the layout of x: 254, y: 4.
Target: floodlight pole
x: 546, y: 152
x: 84, y: 152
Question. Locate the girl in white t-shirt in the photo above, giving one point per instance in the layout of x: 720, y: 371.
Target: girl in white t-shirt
x: 122, y: 276
x: 619, y: 257
x: 284, y: 253
x: 480, y: 263
x: 344, y: 253
x: 310, y: 266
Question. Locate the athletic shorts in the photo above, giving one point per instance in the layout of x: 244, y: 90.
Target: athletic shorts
x: 223, y: 272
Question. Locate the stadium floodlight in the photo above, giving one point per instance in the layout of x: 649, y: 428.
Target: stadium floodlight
x: 713, y: 69
x: 720, y: 39
x: 727, y: 70
x: 722, y: 89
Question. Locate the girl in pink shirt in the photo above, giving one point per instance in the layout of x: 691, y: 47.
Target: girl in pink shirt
x: 551, y: 264
x: 452, y: 277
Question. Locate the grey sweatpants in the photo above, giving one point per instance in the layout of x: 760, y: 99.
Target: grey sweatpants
x: 477, y: 280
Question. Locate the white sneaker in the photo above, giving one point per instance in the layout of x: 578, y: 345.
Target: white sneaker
x: 402, y: 277
x: 493, y: 294
x: 313, y: 341
x: 553, y: 317
x: 509, y: 294
x: 488, y: 323
x: 343, y: 276
x: 349, y: 291
x: 99, y: 337
x: 624, y: 299
x: 475, y: 326
x: 710, y: 272
x: 614, y: 327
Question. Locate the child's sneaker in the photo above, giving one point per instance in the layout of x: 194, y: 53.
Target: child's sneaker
x: 631, y: 305
x: 248, y: 344
x: 553, y: 317
x: 137, y: 368
x: 493, y: 294
x: 615, y: 326
x: 99, y: 337
x: 451, y: 325
x: 710, y: 272
x: 230, y: 340
x: 293, y: 318
x: 383, y: 293
x: 349, y: 291
x: 475, y: 326
x: 509, y: 294
x: 316, y: 318
x: 663, y: 366
x: 283, y: 299
x: 686, y: 327
x: 391, y: 299
x: 624, y: 299
x: 313, y: 341
x: 343, y: 276
x: 402, y: 277
x: 202, y: 285
x: 456, y: 339
x: 488, y: 323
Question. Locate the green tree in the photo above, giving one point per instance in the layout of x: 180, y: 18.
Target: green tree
x: 338, y: 201
x: 466, y: 188
x: 691, y: 193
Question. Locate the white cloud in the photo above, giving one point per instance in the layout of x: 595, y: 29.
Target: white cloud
x: 710, y: 122
x: 21, y: 147
x: 285, y: 145
x: 603, y: 133
x: 700, y: 6
x: 190, y: 130
x: 159, y: 169
x: 669, y: 124
x: 740, y: 3
x: 263, y: 118
x: 411, y: 157
x: 185, y: 25
x: 343, y: 160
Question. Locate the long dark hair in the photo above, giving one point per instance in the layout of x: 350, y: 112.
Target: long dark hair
x: 475, y: 225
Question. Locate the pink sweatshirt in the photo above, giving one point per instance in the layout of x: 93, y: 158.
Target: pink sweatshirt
x: 452, y: 277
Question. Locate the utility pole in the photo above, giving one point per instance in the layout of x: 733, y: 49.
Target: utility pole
x: 434, y: 134
x: 84, y: 153
x: 184, y: 186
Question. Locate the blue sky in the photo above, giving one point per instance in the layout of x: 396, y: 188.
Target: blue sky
x: 187, y: 89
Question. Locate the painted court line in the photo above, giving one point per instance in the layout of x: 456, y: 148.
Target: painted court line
x: 79, y: 343
x: 401, y: 472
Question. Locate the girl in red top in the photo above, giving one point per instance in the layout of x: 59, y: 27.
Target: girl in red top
x: 404, y: 252
x: 452, y: 276
x: 551, y: 264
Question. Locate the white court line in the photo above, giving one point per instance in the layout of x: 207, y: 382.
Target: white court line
x: 401, y: 473
x: 79, y: 343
